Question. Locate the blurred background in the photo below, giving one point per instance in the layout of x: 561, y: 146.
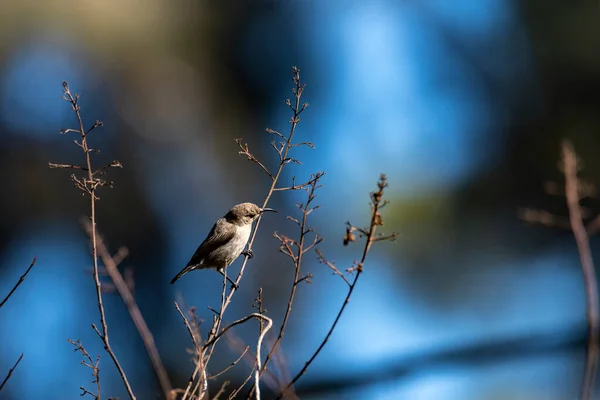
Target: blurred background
x: 463, y: 104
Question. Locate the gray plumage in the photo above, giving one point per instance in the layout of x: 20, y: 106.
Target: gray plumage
x: 226, y: 240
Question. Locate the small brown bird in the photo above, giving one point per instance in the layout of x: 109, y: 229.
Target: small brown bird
x: 226, y: 240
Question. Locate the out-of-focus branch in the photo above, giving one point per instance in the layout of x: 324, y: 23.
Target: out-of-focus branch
x: 134, y: 311
x: 195, y: 336
x: 221, y: 391
x: 575, y: 189
x: 377, y: 203
x: 21, y: 279
x: 570, y: 165
x: 10, y: 372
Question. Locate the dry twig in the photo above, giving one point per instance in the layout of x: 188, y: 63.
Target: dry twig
x: 21, y: 279
x: 88, y: 184
x: 295, y: 249
x: 93, y: 365
x: 576, y: 189
x: 377, y: 203
x: 258, y: 345
x: 283, y: 151
x: 10, y: 372
x: 8, y: 296
x: 572, y: 192
x: 134, y: 310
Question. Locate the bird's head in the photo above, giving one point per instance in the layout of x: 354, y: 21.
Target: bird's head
x: 245, y: 213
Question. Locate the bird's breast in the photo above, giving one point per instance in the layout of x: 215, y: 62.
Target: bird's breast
x: 229, y: 252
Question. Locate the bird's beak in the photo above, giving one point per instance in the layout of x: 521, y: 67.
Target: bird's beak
x: 262, y: 210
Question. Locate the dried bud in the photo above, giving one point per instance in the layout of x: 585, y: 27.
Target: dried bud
x: 349, y: 237
x: 378, y: 220
x: 377, y: 197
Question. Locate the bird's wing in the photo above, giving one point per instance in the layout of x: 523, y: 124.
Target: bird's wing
x: 218, y: 236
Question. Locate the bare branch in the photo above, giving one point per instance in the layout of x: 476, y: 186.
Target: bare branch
x: 309, y: 144
x: 245, y: 151
x: 133, y: 309
x: 234, y: 323
x: 332, y: 266
x: 239, y: 389
x: 88, y: 185
x: 543, y: 217
x: 10, y: 372
x: 21, y: 279
x: 274, y: 132
x: 297, y: 108
x: 221, y: 391
x: 376, y: 220
x: 233, y: 364
x: 112, y: 164
x: 305, y: 185
x: 297, y: 259
x: 189, y: 328
x: 53, y: 165
x: 587, y: 264
x: 594, y: 226
x: 94, y: 366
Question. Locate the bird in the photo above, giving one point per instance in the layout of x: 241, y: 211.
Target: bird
x: 226, y: 241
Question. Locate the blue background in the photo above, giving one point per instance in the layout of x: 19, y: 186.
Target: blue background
x: 463, y: 104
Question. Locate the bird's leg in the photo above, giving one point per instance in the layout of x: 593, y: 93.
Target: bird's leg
x: 248, y: 253
x: 233, y: 284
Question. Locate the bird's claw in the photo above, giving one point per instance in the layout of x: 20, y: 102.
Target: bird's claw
x: 248, y: 253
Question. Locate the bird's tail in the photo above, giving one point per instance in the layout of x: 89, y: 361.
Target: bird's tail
x: 188, y: 268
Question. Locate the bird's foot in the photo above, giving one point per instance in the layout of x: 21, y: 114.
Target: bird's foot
x: 248, y: 253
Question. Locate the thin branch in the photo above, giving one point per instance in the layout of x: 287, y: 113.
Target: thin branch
x: 295, y: 119
x: 222, y: 390
x: 134, y: 312
x: 112, y: 164
x: 236, y: 344
x: 89, y: 185
x: 245, y: 151
x: 69, y: 166
x: 258, y: 345
x: 332, y: 266
x: 239, y: 389
x: 233, y: 364
x: 297, y: 259
x: 188, y: 326
x: 376, y: 220
x: 10, y: 372
x: 21, y: 279
x: 94, y: 366
x: 234, y: 323
x: 199, y: 367
x: 594, y: 226
x: 193, y: 334
x: 570, y: 166
x: 313, y: 178
x: 543, y: 217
